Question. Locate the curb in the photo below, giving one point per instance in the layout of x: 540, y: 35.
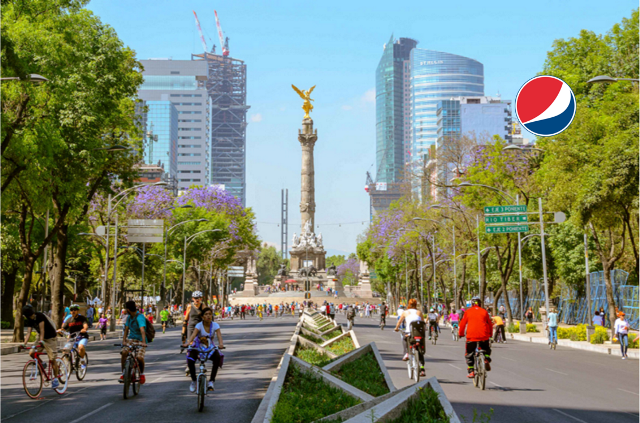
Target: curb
x: 585, y: 346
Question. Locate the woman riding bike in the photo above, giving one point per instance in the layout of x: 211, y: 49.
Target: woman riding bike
x: 409, y: 316
x: 454, y: 318
x: 202, y: 338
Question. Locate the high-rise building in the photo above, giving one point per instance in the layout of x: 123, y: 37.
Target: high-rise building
x: 227, y: 88
x: 438, y: 76
x: 178, y: 110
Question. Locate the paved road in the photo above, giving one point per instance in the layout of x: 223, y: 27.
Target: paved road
x: 528, y: 382
x: 253, y: 351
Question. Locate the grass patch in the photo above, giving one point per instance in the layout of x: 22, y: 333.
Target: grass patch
x: 333, y: 334
x: 365, y: 374
x: 326, y: 327
x: 311, y: 338
x: 342, y: 346
x: 305, y: 399
x: 424, y: 408
x: 312, y: 356
x: 311, y: 329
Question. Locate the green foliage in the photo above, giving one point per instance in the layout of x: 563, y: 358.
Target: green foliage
x: 633, y: 340
x: 333, y: 334
x: 364, y: 373
x: 601, y: 334
x: 342, y: 346
x: 531, y: 327
x: 336, y: 260
x: 305, y: 398
x: 423, y: 408
x: 513, y: 327
x: 574, y: 333
x: 311, y: 338
x: 268, y: 263
x: 326, y: 327
x: 5, y: 325
x: 312, y: 356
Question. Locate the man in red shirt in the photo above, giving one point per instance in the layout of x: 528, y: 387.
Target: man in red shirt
x: 478, y: 327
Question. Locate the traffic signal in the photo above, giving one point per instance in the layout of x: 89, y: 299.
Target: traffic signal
x: 307, y: 295
x: 307, y: 285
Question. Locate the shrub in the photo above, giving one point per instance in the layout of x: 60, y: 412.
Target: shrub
x: 333, y: 334
x: 574, y: 333
x: 600, y: 335
x: 305, y: 398
x: 342, y: 346
x: 311, y: 338
x: 633, y: 340
x: 531, y: 327
x: 365, y: 374
x: 424, y: 408
x: 5, y: 325
x: 513, y: 328
x: 312, y: 356
x: 310, y: 329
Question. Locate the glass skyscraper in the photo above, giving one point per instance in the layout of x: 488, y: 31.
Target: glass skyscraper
x: 162, y: 120
x: 438, y: 76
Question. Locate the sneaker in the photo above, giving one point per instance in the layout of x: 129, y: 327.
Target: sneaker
x: 487, y: 365
x: 83, y: 366
x: 142, y: 379
x: 406, y: 357
x: 55, y: 383
x: 121, y: 380
x: 422, y: 372
x: 624, y: 358
x: 192, y: 387
x: 471, y: 375
x: 210, y: 387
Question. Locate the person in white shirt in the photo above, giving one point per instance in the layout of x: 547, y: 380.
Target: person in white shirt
x: 621, y: 330
x: 202, y: 338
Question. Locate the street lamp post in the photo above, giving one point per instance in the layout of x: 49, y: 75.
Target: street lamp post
x: 609, y: 79
x: 187, y: 241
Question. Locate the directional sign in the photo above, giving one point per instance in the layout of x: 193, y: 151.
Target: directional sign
x: 145, y: 230
x: 506, y: 219
x: 505, y: 209
x: 506, y: 229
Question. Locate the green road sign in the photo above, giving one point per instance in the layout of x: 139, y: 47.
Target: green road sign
x: 506, y: 229
x: 505, y: 209
x: 506, y: 219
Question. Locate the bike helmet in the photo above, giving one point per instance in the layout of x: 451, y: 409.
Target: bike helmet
x: 431, y: 310
x: 28, y: 310
x: 196, y: 294
x: 476, y: 300
x: 73, y: 307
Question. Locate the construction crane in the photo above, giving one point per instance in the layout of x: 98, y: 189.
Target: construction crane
x: 204, y: 43
x: 223, y: 42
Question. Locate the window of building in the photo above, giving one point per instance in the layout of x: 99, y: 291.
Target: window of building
x: 189, y: 129
x: 175, y: 73
x: 190, y: 163
x: 184, y: 171
x: 190, y: 138
x: 190, y: 146
x: 189, y: 154
x: 190, y: 120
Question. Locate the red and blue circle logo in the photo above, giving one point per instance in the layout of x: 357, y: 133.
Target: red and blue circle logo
x: 545, y: 105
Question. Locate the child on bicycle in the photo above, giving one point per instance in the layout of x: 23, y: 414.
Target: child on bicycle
x: 202, y: 338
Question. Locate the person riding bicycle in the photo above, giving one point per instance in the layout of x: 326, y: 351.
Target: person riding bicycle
x: 499, y: 325
x: 454, y: 318
x: 134, y: 335
x: 433, y: 318
x: 164, y: 318
x: 77, y: 325
x: 409, y: 316
x: 202, y: 338
x: 477, y: 323
x: 192, y: 317
x: 383, y: 313
x: 46, y: 337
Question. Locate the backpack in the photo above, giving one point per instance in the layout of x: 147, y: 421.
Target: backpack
x: 149, y: 330
x: 351, y: 313
x: 417, y: 330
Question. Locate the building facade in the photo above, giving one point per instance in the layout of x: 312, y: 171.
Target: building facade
x: 178, y: 113
x: 438, y: 76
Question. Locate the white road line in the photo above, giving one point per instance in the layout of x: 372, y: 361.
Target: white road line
x: 161, y: 377
x: 28, y: 409
x: 510, y: 359
x: 631, y: 414
x: 624, y: 390
x: 561, y: 412
x: 455, y: 367
x: 493, y: 383
x: 91, y: 414
x: 555, y: 371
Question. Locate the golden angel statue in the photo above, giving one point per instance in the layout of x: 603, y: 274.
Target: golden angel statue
x: 306, y: 106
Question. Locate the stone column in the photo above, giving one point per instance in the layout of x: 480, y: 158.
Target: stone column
x: 307, y: 137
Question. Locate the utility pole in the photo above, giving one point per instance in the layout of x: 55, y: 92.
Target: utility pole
x: 284, y: 222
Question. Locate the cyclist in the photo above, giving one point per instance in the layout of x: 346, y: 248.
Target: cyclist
x: 77, y: 325
x: 202, y: 337
x: 192, y: 317
x: 409, y: 316
x: 164, y: 318
x: 454, y: 318
x: 47, y: 337
x: 383, y: 313
x: 477, y: 323
x: 433, y: 322
x: 499, y: 324
x: 134, y: 334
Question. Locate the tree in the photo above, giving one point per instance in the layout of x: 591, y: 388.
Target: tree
x: 268, y: 264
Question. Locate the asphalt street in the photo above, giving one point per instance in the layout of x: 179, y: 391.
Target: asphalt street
x: 253, y: 350
x: 527, y: 383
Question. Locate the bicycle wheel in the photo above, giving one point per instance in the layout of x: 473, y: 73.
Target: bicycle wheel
x: 32, y: 379
x: 67, y: 359
x: 64, y: 377
x: 482, y: 373
x: 476, y: 373
x: 135, y: 378
x: 80, y: 372
x: 127, y: 378
x: 202, y: 391
x: 410, y: 368
x: 416, y: 366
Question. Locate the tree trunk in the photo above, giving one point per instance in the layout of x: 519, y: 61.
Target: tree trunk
x: 23, y: 296
x: 496, y: 298
x: 483, y: 276
x: 57, y: 276
x: 8, y: 287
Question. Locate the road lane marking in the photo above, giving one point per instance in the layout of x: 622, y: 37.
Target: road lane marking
x: 156, y: 380
x: 91, y: 414
x: 493, y: 383
x: 28, y: 409
x: 555, y: 371
x: 455, y: 367
x: 561, y: 412
x: 624, y: 390
x: 510, y: 359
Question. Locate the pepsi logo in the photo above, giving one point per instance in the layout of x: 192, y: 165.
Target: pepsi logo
x: 545, y: 105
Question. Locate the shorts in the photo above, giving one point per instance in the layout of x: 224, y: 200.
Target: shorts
x: 164, y: 322
x: 51, y: 347
x: 131, y: 342
x: 71, y: 344
x: 103, y: 331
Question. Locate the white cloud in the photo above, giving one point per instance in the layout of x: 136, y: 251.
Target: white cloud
x: 369, y: 96
x: 256, y: 118
x: 346, y: 107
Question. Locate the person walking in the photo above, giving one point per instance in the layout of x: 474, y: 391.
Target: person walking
x: 351, y: 315
x: 621, y: 331
x: 553, y: 326
x: 90, y: 313
x: 102, y: 324
x: 529, y: 315
x: 598, y: 320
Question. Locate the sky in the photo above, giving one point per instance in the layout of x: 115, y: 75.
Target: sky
x: 336, y: 45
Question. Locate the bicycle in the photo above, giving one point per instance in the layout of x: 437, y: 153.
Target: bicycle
x: 454, y: 331
x: 73, y: 361
x: 382, y: 323
x: 433, y: 334
x: 131, y: 371
x: 413, y: 364
x: 479, y: 369
x: 201, y: 378
x: 499, y: 339
x: 36, y: 373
